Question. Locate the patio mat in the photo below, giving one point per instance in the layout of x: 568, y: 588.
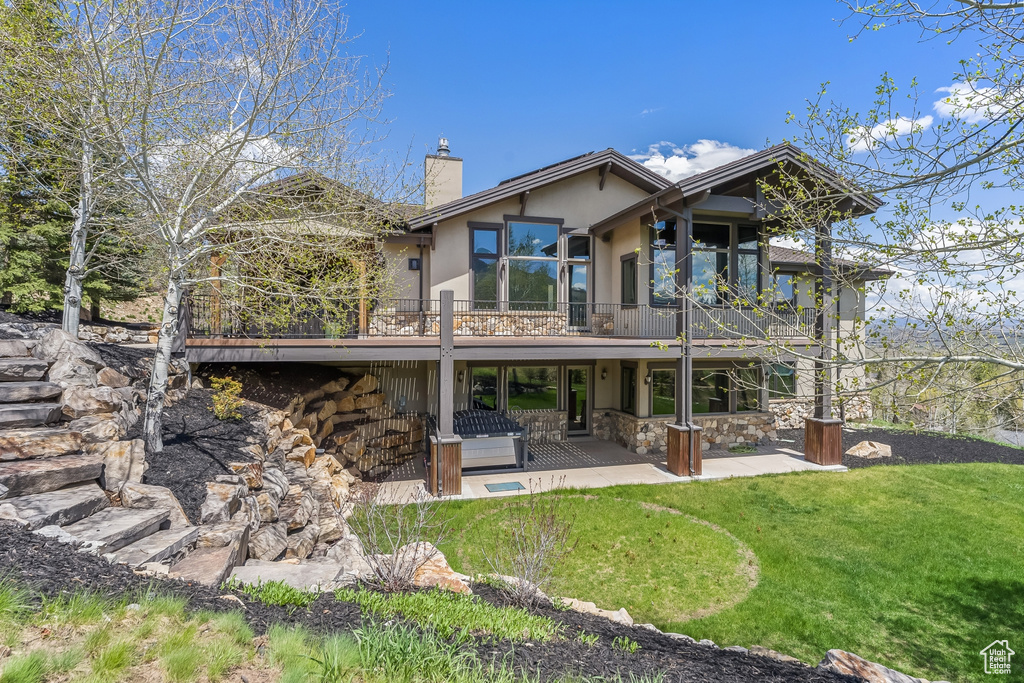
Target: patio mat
x: 505, y: 486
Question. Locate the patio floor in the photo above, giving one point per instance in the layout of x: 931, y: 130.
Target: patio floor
x: 592, y: 463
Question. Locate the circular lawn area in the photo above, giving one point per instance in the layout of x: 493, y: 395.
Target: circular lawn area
x: 660, y: 565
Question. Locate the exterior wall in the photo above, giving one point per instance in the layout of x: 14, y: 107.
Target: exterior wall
x: 443, y: 178
x: 406, y: 283
x: 790, y: 413
x: 649, y: 435
x: 545, y: 426
x: 576, y: 200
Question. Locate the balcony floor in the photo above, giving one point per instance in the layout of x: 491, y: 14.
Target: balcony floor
x: 587, y: 463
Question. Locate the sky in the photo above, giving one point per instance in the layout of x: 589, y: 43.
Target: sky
x: 515, y: 86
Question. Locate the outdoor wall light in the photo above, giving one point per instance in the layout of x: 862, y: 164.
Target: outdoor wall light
x: 461, y: 376
x: 604, y: 373
x: 647, y: 377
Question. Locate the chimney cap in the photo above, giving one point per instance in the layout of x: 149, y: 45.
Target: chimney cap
x: 442, y: 147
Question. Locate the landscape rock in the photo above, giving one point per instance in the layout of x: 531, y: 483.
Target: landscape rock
x: 123, y: 461
x: 761, y: 651
x: 233, y: 533
x: 304, y: 454
x: 300, y: 544
x: 3, y: 491
x: 99, y: 428
x: 839, y: 661
x: 311, y: 576
x: 335, y: 386
x: 222, y: 501
x: 296, y: 507
x: 251, y: 473
x: 20, y: 444
x: 12, y: 348
x: 433, y: 570
x: 871, y: 449
x: 619, y: 616
x: 80, y: 401
x: 348, y: 552
x: 269, y: 542
x: 56, y: 342
x: 364, y: 385
x: 110, y: 377
x: 148, y: 496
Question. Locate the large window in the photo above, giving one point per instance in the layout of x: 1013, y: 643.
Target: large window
x: 663, y: 392
x: 748, y: 389
x: 710, y: 391
x: 783, y: 290
x: 485, y: 268
x: 532, y: 387
x: 725, y: 263
x: 782, y: 380
x: 628, y: 394
x: 533, y: 266
x: 628, y: 266
x: 484, y: 388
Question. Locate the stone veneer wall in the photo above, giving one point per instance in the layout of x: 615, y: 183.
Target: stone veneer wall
x: 474, y: 324
x: 790, y: 413
x: 643, y: 435
x: 545, y: 426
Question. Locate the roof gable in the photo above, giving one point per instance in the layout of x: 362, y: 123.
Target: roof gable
x: 610, y: 160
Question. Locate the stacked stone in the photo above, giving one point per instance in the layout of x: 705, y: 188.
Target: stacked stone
x: 351, y: 420
x: 116, y: 334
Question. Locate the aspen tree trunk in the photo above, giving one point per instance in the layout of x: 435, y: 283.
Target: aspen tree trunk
x: 79, y: 232
x: 161, y: 362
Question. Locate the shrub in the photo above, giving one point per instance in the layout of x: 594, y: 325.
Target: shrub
x: 226, y: 399
x: 533, y: 541
x: 398, y: 539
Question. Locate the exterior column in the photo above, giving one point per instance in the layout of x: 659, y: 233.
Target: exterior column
x: 823, y: 435
x: 446, y: 449
x: 684, y: 441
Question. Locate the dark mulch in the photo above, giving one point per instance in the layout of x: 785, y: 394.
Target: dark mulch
x: 198, y: 447
x: 50, y: 568
x: 56, y: 316
x: 914, y: 447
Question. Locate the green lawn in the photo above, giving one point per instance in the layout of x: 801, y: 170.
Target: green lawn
x: 918, y: 567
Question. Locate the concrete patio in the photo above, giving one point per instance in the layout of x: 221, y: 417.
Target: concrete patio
x: 588, y: 463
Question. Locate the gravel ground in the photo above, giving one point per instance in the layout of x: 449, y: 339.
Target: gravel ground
x: 50, y: 568
x: 914, y: 448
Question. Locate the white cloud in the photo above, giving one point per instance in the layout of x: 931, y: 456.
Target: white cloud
x: 676, y: 162
x: 969, y: 103
x: 650, y: 110
x: 864, y: 139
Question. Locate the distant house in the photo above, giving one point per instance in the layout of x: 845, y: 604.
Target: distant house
x: 560, y: 280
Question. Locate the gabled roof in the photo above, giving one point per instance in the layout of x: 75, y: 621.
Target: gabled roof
x: 618, y: 164
x: 804, y: 260
x: 747, y: 166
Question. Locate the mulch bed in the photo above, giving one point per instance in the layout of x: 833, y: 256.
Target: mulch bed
x: 50, y: 568
x: 198, y: 447
x: 914, y: 448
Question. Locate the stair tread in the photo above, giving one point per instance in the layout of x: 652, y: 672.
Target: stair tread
x: 25, y: 477
x: 38, y: 442
x: 113, y: 528
x: 156, y: 547
x: 35, y: 390
x: 21, y: 368
x: 65, y: 506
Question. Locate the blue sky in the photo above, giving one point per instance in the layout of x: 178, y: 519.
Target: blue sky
x: 518, y: 85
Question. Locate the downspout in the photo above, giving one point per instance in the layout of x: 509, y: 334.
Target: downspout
x: 684, y: 324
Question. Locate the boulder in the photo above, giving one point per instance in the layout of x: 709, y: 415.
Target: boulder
x: 56, y: 343
x: 433, y: 570
x: 251, y: 473
x: 335, y: 386
x: 13, y: 348
x: 267, y: 502
x: 871, y: 449
x: 300, y: 544
x: 234, y: 532
x: 269, y: 542
x: 99, y: 428
x: 69, y: 371
x: 222, y: 501
x: 348, y: 552
x: 20, y: 444
x: 369, y: 401
x: 296, y: 507
x: 80, y: 401
x: 147, y: 497
x: 123, y: 461
x: 109, y: 377
x: 363, y: 385
x: 274, y: 479
x: 841, y: 662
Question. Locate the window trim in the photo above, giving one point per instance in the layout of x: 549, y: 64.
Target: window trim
x: 635, y: 369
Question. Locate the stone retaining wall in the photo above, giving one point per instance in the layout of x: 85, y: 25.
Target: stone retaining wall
x: 545, y: 426
x: 790, y: 413
x: 643, y: 435
x: 97, y: 334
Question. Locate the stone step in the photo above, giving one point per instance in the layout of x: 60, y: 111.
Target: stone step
x: 24, y: 477
x: 65, y: 506
x: 114, y: 528
x: 155, y: 547
x: 38, y: 442
x: 13, y: 348
x: 28, y: 414
x: 23, y: 392
x: 303, y: 576
x: 22, y: 369
x: 208, y: 566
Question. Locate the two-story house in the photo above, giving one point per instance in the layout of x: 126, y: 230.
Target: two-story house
x: 554, y: 298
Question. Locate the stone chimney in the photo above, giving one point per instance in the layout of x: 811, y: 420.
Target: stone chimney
x: 443, y: 176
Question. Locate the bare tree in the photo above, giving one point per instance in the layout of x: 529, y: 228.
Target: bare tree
x: 217, y: 105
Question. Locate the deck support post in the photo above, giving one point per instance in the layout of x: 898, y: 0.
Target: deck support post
x: 823, y: 435
x: 446, y: 448
x: 685, y: 453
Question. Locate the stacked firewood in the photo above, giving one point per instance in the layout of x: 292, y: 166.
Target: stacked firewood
x: 351, y: 419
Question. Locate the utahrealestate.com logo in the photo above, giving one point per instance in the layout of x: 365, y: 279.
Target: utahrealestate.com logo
x: 997, y: 657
